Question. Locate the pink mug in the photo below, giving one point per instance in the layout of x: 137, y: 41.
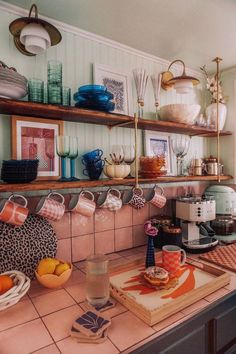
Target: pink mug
x: 83, y: 203
x: 155, y: 198
x: 111, y: 200
x: 12, y: 212
x: 50, y: 208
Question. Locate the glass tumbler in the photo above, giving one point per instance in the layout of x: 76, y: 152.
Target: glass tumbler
x: 54, y: 72
x: 97, y: 280
x: 36, y: 90
x: 66, y: 96
x: 54, y: 94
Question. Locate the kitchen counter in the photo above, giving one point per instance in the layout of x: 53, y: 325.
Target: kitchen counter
x: 41, y: 321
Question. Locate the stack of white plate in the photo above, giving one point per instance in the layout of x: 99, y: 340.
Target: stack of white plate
x: 12, y: 84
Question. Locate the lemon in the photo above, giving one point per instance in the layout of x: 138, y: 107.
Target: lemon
x: 47, y: 266
x: 60, y: 268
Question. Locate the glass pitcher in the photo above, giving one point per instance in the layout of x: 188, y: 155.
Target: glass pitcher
x: 97, y: 280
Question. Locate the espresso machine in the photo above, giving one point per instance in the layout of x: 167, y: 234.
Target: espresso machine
x: 195, y: 214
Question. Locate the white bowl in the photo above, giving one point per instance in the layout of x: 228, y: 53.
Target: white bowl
x: 116, y: 171
x: 180, y: 113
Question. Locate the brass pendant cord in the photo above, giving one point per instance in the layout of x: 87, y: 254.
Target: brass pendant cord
x: 217, y: 60
x: 136, y: 149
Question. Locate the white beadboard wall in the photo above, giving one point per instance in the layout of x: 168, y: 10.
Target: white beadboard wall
x: 78, y: 51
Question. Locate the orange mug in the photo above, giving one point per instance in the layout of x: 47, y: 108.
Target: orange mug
x: 83, y: 203
x: 173, y: 257
x: 12, y: 212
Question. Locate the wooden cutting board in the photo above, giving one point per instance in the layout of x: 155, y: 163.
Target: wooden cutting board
x: 224, y: 256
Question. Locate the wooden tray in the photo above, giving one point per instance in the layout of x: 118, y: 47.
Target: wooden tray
x: 153, y: 305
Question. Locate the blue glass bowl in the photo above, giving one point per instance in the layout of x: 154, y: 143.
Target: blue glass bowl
x: 107, y: 107
x: 87, y: 89
x: 95, y: 97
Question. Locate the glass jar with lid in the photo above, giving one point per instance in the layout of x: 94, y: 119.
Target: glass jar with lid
x: 223, y: 224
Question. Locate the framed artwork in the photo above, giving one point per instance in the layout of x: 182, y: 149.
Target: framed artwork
x: 117, y: 83
x: 156, y: 143
x: 35, y: 138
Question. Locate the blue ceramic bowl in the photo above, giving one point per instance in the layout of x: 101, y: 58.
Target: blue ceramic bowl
x: 106, y: 107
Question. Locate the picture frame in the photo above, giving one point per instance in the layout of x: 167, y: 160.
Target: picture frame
x: 118, y: 83
x: 156, y: 143
x: 33, y: 138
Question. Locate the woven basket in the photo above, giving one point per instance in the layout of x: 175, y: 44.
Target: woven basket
x: 20, y: 288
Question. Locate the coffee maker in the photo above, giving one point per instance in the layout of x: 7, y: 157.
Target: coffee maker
x: 194, y: 214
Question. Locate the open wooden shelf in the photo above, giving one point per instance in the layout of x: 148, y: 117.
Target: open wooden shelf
x: 74, y: 114
x: 55, y: 185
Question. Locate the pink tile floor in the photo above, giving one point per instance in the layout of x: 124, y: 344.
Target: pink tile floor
x: 41, y: 321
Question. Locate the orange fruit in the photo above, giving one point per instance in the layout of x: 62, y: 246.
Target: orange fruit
x: 6, y: 283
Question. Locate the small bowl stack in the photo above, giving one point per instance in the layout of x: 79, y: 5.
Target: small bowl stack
x: 94, y: 97
x: 12, y: 84
x: 19, y: 171
x: 151, y: 167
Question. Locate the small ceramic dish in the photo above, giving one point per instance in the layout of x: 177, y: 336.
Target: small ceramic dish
x: 116, y: 171
x: 52, y: 280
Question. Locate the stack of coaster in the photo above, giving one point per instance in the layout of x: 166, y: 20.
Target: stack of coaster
x: 91, y: 327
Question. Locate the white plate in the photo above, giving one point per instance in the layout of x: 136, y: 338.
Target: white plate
x: 12, y: 91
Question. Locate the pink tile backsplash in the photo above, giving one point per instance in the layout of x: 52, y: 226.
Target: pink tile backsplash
x: 139, y: 237
x: 81, y: 225
x: 123, y: 217
x: 104, y: 220
x: 64, y: 249
x: 105, y: 242
x: 106, y: 231
x: 140, y: 215
x: 62, y: 227
x: 82, y: 247
x: 123, y: 238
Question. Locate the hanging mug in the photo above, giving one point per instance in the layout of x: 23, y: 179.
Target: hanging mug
x: 12, y: 212
x: 134, y: 198
x: 155, y: 198
x: 110, y: 201
x: 83, y: 203
x: 50, y: 208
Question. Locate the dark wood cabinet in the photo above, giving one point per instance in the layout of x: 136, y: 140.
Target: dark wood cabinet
x: 212, y: 331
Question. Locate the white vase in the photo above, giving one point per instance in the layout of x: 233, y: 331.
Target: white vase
x: 211, y: 115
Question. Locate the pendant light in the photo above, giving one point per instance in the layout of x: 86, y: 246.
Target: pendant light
x: 182, y: 84
x: 32, y: 35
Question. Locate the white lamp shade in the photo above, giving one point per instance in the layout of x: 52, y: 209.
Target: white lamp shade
x: 35, y: 38
x: 183, y: 86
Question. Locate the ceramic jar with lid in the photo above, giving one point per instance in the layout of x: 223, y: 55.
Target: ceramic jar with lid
x: 223, y: 225
x: 212, y: 167
x: 172, y: 235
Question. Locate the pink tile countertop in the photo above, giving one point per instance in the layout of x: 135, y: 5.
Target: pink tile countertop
x: 41, y: 321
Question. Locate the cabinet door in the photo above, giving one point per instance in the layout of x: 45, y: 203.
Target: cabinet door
x: 225, y: 325
x: 194, y: 342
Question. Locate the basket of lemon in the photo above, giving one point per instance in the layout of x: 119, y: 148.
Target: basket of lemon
x: 13, y: 286
x: 52, y: 272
